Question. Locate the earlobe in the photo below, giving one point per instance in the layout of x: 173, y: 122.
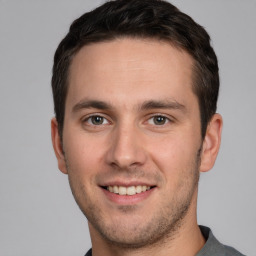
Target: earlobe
x: 211, y: 143
x: 57, y: 146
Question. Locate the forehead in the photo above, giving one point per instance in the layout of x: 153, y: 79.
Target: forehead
x: 130, y: 70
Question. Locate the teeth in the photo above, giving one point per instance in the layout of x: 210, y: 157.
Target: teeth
x: 122, y: 190
x: 115, y: 190
x: 138, y: 189
x: 132, y: 190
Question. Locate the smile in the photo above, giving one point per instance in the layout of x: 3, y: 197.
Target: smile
x: 131, y: 190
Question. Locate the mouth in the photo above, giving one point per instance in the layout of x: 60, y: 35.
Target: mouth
x: 128, y: 191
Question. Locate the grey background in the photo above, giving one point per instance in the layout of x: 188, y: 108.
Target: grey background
x: 38, y: 215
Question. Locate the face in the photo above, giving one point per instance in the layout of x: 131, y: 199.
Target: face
x: 132, y: 139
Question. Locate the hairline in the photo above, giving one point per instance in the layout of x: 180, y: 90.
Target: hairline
x: 195, y: 71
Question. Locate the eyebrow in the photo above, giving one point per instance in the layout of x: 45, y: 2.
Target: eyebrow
x: 84, y: 104
x: 147, y: 105
x: 163, y: 104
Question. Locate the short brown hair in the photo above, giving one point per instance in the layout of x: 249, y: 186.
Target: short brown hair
x: 156, y: 19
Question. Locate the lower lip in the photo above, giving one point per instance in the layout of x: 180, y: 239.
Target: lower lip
x: 126, y: 199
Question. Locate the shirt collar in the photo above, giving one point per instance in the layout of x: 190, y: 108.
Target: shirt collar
x: 212, y: 245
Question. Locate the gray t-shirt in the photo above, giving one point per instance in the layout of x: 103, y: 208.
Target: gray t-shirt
x: 212, y: 246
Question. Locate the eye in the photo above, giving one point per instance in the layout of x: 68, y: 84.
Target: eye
x: 158, y: 120
x: 96, y: 120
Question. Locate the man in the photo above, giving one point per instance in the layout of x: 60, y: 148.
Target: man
x: 135, y: 86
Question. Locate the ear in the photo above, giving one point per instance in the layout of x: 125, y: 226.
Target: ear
x: 57, y: 146
x: 211, y: 143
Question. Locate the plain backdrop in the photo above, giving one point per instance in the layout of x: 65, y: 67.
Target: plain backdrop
x: 38, y: 215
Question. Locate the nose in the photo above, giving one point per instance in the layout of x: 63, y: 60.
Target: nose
x: 126, y: 148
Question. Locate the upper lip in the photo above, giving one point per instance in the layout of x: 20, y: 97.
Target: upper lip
x: 127, y: 183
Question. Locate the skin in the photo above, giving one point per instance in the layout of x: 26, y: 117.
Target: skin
x: 131, y: 84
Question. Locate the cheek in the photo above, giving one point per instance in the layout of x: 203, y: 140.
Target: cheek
x: 83, y: 154
x: 174, y: 154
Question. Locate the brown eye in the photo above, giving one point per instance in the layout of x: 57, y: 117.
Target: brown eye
x: 159, y: 120
x: 97, y: 120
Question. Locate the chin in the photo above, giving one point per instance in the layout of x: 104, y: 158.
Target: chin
x: 139, y: 232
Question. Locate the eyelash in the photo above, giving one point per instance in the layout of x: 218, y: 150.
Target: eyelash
x: 86, y: 120
x: 166, y: 120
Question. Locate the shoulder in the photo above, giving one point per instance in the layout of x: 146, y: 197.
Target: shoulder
x: 213, y: 247
x: 230, y: 251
